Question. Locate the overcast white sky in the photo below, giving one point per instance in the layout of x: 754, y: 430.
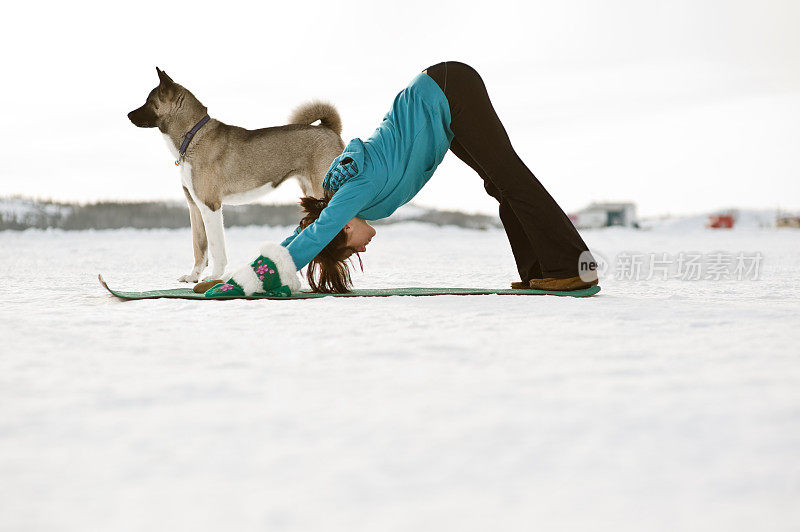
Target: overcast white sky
x: 680, y: 106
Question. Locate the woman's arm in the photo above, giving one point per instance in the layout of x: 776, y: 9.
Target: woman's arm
x: 345, y: 204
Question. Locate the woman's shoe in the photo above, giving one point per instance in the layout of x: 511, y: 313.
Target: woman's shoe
x: 570, y: 283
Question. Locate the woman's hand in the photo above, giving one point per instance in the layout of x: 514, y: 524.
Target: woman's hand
x: 273, y: 272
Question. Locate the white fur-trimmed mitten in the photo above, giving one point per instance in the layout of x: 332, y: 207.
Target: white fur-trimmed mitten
x: 273, y: 272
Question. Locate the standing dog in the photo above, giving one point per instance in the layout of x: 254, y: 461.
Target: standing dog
x: 228, y: 164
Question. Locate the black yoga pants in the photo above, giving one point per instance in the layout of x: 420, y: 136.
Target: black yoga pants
x: 543, y: 240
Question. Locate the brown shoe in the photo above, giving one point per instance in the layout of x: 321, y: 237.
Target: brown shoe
x: 520, y: 285
x: 200, y: 288
x: 570, y: 283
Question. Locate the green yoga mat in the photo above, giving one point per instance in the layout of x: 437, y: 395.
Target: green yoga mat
x: 187, y: 293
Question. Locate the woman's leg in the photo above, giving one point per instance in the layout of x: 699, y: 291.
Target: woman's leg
x: 527, y: 261
x: 478, y: 130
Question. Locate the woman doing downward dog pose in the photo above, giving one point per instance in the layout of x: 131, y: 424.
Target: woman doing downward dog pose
x: 445, y: 107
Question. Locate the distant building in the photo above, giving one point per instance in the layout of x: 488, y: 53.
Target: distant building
x: 722, y: 220
x: 788, y: 221
x: 605, y: 214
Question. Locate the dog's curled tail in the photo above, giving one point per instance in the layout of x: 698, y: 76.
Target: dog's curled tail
x: 310, y: 112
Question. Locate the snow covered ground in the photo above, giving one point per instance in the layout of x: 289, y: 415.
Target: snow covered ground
x: 656, y: 405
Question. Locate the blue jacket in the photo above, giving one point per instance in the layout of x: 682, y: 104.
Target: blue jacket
x: 384, y: 172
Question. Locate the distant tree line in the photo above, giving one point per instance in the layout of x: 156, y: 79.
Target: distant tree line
x: 18, y: 214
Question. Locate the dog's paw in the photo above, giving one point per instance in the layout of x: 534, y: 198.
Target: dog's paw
x: 191, y: 278
x: 212, y: 277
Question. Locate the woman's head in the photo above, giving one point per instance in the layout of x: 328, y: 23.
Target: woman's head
x: 358, y: 234
x: 329, y: 270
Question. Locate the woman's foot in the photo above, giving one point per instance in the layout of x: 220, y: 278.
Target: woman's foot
x: 567, y: 284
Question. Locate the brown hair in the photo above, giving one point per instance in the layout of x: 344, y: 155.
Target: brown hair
x: 329, y: 271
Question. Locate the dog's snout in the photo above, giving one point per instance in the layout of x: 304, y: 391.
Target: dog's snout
x: 132, y: 115
x: 142, y: 117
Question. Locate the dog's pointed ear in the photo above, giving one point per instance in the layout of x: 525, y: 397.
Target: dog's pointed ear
x: 163, y: 77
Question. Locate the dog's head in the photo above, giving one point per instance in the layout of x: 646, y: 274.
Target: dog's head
x: 161, y: 102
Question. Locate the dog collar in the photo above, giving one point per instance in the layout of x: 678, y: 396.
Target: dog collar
x: 188, y: 138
